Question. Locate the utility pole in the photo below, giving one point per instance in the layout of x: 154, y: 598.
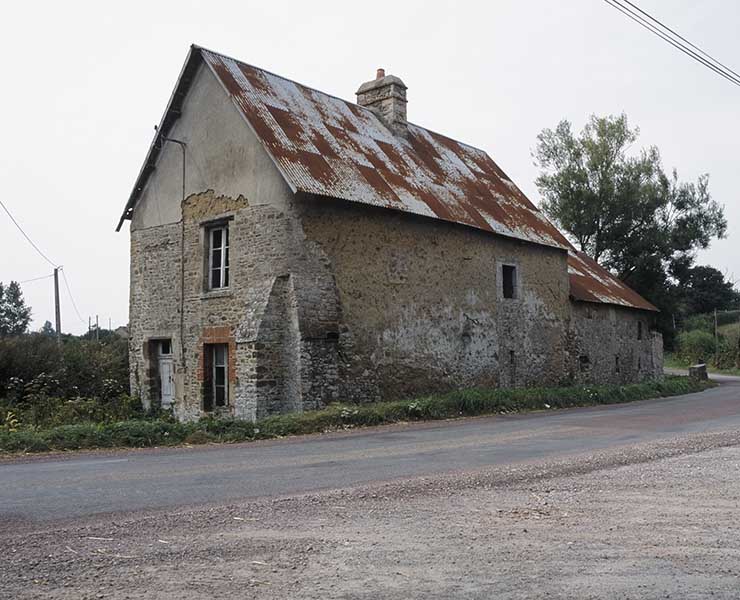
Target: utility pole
x: 716, y: 341
x: 97, y: 329
x: 57, y: 308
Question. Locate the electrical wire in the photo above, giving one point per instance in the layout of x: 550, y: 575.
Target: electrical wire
x: 30, y: 241
x: 71, y: 297
x: 36, y: 279
x: 679, y: 36
x: 718, y: 68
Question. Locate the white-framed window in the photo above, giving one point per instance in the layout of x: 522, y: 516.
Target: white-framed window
x: 165, y: 347
x: 218, y: 257
x: 216, y: 363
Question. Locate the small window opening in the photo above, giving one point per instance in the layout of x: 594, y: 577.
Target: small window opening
x: 584, y: 362
x: 216, y: 380
x: 639, y: 330
x: 512, y: 366
x: 218, y: 257
x: 616, y: 364
x: 508, y: 273
x: 165, y: 347
x: 639, y: 363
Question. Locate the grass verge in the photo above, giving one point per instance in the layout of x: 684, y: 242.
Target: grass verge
x: 470, y: 402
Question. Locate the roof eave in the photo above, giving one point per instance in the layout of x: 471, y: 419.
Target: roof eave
x: 171, y: 114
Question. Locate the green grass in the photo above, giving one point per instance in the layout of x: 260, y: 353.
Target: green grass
x: 674, y: 362
x: 731, y: 329
x: 470, y: 402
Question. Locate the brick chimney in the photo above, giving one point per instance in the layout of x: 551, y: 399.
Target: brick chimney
x: 386, y: 97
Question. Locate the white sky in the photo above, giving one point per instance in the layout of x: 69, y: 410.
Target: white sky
x: 86, y: 82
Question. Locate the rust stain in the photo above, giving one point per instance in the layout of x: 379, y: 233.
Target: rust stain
x: 423, y: 172
x: 288, y: 124
x: 322, y: 145
x: 590, y: 282
x: 379, y: 184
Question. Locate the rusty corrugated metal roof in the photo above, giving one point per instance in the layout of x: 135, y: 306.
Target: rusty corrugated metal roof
x: 590, y: 282
x: 330, y: 147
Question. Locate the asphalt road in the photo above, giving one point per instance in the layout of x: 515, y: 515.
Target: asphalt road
x: 58, y: 488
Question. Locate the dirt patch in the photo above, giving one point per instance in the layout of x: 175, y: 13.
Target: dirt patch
x: 649, y: 521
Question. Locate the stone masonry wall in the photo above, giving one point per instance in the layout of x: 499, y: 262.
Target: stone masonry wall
x: 422, y: 307
x: 278, y: 316
x: 154, y: 302
x: 615, y: 345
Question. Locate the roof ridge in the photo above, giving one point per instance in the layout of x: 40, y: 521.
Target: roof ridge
x: 314, y: 89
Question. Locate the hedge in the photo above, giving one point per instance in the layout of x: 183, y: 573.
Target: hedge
x: 140, y: 433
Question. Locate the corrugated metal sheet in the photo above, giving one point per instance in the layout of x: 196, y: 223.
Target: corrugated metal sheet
x: 590, y: 282
x: 326, y: 146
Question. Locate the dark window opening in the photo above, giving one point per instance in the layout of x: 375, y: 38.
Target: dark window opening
x: 639, y: 330
x: 616, y: 364
x: 165, y: 347
x: 512, y: 366
x: 584, y: 362
x: 216, y: 376
x: 508, y: 273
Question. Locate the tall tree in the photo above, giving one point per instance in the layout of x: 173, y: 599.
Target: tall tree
x: 623, y: 209
x: 14, y: 314
x: 706, y: 289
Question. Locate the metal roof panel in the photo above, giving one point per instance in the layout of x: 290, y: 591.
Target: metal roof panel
x: 329, y: 147
x: 590, y: 282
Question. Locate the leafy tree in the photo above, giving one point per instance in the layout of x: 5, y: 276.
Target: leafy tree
x: 706, y: 289
x: 623, y: 210
x: 14, y: 314
x: 47, y: 329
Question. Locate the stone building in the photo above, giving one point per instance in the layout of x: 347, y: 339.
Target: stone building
x: 290, y: 249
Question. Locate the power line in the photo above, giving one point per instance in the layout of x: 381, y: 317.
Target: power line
x: 718, y: 68
x: 30, y: 241
x: 36, y: 279
x: 69, y: 291
x: 679, y: 36
x: 666, y: 37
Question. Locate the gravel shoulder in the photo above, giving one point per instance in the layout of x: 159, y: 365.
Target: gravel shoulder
x: 645, y: 521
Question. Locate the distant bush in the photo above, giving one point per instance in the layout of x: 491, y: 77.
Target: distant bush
x: 81, y: 367
x: 698, y: 323
x: 696, y: 346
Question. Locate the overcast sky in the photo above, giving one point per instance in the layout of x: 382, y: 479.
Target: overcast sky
x: 86, y: 82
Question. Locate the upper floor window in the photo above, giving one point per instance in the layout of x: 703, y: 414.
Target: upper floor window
x: 639, y: 330
x: 218, y: 257
x: 508, y: 276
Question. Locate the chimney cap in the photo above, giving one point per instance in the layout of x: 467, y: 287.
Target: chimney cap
x: 380, y: 73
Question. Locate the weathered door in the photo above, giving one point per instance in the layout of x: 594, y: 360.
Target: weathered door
x: 167, y: 392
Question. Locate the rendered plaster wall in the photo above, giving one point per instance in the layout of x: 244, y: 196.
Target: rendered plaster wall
x: 606, y: 345
x: 422, y: 306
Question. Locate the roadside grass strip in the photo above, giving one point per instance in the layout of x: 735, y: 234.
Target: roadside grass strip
x: 141, y: 433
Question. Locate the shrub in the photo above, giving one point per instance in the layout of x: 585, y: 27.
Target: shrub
x: 80, y: 367
x: 696, y: 346
x: 158, y: 432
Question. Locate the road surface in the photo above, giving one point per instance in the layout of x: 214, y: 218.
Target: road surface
x: 44, y: 489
